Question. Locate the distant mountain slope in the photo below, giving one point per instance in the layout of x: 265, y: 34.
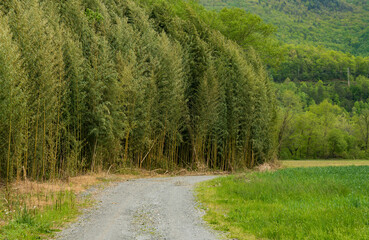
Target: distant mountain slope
x: 336, y: 24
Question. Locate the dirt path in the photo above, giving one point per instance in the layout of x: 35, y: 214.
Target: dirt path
x: 159, y: 208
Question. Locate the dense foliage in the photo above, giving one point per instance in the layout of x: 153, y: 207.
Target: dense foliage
x: 317, y: 120
x: 297, y: 203
x: 336, y: 24
x: 308, y: 63
x: 248, y: 30
x: 93, y: 84
x: 302, y: 62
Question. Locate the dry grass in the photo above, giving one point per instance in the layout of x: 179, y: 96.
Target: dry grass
x: 185, y: 172
x: 34, y: 194
x: 75, y: 184
x: 268, y: 166
x: 322, y: 163
x: 160, y: 172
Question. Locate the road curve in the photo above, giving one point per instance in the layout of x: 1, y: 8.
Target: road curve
x: 145, y: 209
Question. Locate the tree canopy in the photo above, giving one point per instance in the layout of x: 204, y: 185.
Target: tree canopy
x: 340, y: 25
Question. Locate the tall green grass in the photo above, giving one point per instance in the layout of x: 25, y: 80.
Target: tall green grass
x: 298, y: 203
x: 35, y: 223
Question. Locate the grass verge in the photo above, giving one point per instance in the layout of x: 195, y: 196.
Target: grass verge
x: 39, y: 224
x: 294, y: 203
x: 34, y: 210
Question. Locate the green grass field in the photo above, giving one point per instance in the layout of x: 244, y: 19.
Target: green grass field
x: 291, y: 203
x: 323, y: 163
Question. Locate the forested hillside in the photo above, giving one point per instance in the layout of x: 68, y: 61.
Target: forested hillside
x: 319, y: 121
x: 309, y: 63
x: 324, y: 55
x: 100, y: 84
x: 322, y: 83
x: 335, y: 24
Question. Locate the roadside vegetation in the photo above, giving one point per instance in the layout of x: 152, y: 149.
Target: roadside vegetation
x: 293, y: 203
x: 30, y: 222
x: 33, y: 210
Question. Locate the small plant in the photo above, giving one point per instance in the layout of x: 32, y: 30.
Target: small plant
x: 94, y: 16
x: 25, y: 217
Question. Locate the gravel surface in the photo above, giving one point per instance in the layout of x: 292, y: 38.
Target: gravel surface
x: 145, y: 209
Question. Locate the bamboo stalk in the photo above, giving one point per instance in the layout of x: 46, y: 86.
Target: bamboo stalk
x: 9, y: 138
x: 36, y: 134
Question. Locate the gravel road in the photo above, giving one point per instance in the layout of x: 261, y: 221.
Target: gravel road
x: 145, y: 209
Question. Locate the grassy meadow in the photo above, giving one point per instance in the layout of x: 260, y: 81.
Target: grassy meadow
x: 292, y: 203
x: 322, y: 163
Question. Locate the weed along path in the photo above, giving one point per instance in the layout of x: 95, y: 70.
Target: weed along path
x: 156, y: 208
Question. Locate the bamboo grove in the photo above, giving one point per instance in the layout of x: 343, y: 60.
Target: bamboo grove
x: 87, y: 85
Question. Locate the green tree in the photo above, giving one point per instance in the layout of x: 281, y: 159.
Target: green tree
x: 12, y: 105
